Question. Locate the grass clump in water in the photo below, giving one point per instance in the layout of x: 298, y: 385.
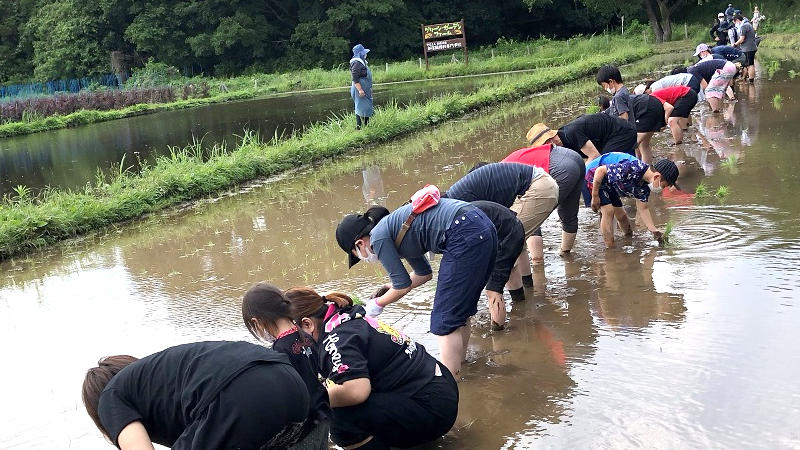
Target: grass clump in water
x: 701, y: 190
x: 722, y: 192
x: 666, y: 239
x: 730, y: 163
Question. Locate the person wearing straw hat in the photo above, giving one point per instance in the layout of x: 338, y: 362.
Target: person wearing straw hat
x: 361, y: 87
x: 591, y: 135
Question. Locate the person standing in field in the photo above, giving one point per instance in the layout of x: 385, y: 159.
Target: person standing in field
x: 361, y: 88
x: 747, y: 43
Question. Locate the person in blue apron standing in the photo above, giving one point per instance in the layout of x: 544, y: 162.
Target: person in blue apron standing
x: 361, y: 89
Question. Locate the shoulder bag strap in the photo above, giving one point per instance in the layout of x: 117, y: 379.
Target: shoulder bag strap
x: 404, y: 229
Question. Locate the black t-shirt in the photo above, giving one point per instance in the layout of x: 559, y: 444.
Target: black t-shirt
x: 598, y: 128
x: 300, y: 350
x: 357, y: 71
x: 170, y: 389
x: 497, y: 182
x: 706, y: 69
x: 353, y: 346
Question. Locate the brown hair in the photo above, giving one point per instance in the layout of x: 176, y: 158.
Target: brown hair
x: 96, y: 380
x: 266, y: 303
x: 305, y: 302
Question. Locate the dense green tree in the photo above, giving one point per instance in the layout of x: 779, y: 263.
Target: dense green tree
x: 15, y: 59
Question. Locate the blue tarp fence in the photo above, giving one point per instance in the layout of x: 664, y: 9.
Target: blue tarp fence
x: 51, y: 87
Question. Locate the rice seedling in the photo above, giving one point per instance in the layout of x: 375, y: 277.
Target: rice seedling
x: 722, y: 192
x: 701, y: 190
x: 772, y: 68
x: 777, y: 101
x: 666, y: 239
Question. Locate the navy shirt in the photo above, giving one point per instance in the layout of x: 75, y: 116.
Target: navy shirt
x: 706, y: 69
x: 727, y: 52
x: 497, y: 182
x: 598, y: 128
x: 427, y: 233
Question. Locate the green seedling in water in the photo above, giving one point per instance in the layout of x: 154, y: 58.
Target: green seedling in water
x: 701, y: 190
x: 773, y: 67
x: 722, y: 192
x: 777, y: 101
x: 730, y: 163
x: 792, y: 74
x: 667, y: 237
x: 592, y: 109
x: 357, y: 300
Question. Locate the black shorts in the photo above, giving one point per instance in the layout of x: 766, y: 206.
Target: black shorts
x: 400, y: 420
x: 649, y: 115
x: 750, y: 58
x: 683, y: 106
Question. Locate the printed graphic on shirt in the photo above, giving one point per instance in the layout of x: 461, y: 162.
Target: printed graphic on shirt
x: 336, y: 357
x: 397, y: 337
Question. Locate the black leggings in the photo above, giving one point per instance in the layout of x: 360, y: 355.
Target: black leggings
x: 359, y: 119
x: 399, y: 420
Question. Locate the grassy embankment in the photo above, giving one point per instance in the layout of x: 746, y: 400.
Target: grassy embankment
x: 54, y: 215
x: 508, y: 56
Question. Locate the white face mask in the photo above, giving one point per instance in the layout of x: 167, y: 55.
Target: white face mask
x: 610, y: 90
x: 370, y: 257
x: 654, y: 188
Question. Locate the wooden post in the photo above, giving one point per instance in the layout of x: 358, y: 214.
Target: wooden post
x: 528, y: 50
x: 424, y: 45
x: 420, y: 63
x: 644, y: 36
x: 464, y: 37
x: 492, y: 53
x: 387, y: 66
x: 685, y: 31
x: 623, y: 25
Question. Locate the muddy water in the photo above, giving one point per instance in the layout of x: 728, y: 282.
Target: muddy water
x: 69, y: 158
x: 684, y: 347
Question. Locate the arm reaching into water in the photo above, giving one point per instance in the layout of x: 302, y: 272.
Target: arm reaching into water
x: 590, y: 150
x: 643, y: 211
x: 392, y: 295
x: 599, y: 174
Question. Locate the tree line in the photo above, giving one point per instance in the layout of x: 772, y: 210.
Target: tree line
x: 50, y: 39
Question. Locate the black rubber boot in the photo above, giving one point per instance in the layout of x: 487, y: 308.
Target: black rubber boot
x: 517, y: 295
x: 527, y: 281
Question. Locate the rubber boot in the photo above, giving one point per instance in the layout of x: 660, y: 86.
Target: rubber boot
x: 527, y: 281
x: 518, y: 295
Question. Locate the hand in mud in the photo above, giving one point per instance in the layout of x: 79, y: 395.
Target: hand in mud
x: 381, y: 290
x: 595, y: 203
x: 659, y: 236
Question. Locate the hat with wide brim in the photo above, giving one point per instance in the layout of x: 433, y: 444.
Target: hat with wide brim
x: 539, y: 134
x: 700, y: 48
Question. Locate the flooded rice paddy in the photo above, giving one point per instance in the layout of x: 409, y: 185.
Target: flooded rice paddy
x: 69, y: 158
x: 689, y: 346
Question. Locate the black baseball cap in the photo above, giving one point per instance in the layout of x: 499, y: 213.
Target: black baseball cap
x: 668, y: 171
x: 349, y: 230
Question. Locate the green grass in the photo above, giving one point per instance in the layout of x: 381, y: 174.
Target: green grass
x: 666, y: 240
x: 542, y: 54
x: 722, y: 192
x: 27, y: 222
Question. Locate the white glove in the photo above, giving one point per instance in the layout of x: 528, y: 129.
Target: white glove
x: 373, y: 308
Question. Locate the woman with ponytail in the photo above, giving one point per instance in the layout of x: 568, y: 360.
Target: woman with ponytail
x: 269, y: 317
x: 385, y: 390
x: 459, y: 231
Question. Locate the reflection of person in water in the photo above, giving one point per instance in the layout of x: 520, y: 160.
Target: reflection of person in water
x: 626, y: 300
x: 373, y: 186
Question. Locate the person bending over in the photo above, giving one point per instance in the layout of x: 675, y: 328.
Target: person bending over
x: 629, y: 177
x: 385, y: 389
x: 209, y: 395
x: 467, y: 262
x: 268, y: 316
x: 678, y: 102
x: 591, y: 135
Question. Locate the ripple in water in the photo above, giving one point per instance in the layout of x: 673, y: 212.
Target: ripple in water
x: 714, y: 230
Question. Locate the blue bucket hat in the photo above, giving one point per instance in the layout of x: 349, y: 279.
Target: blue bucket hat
x: 359, y: 51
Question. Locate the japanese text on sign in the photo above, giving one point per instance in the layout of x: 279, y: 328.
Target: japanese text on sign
x: 441, y: 30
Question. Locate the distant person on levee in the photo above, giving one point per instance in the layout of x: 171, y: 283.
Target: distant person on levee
x: 361, y: 89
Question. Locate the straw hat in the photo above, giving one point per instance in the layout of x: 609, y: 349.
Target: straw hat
x: 539, y: 134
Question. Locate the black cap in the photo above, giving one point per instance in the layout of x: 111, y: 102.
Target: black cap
x: 350, y: 229
x: 668, y: 171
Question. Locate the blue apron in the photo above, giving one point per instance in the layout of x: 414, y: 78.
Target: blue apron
x: 363, y: 104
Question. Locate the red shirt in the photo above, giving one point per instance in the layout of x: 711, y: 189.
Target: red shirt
x: 532, y: 156
x: 671, y: 94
